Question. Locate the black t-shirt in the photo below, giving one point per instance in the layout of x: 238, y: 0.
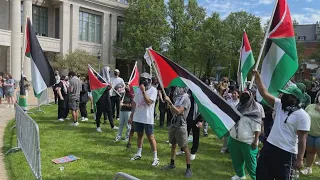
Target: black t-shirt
x: 63, y: 91
x: 313, y: 95
x: 127, y: 101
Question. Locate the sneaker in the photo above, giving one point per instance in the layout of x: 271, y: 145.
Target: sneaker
x: 68, y: 118
x: 136, y: 157
x: 126, y: 140
x: 317, y: 163
x: 155, y: 162
x: 188, y: 173
x: 74, y: 124
x: 306, y: 171
x: 128, y: 145
x: 92, y: 111
x: 223, y: 150
x: 61, y: 120
x: 115, y: 128
x: 238, y: 178
x: 168, y: 167
x: 84, y: 119
x: 179, y: 153
x: 99, y: 129
x: 118, y: 119
x: 192, y: 157
x: 117, y: 139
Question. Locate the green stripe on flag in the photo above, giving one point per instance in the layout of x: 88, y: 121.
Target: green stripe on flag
x: 288, y: 45
x: 247, y: 66
x: 96, y: 95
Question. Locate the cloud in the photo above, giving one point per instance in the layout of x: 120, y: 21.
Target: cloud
x: 266, y: 1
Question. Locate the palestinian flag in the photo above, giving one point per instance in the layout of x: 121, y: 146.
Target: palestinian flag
x: 134, y: 79
x: 22, y: 97
x: 281, y: 59
x: 213, y: 108
x: 96, y: 86
x: 247, y: 60
x: 41, y: 71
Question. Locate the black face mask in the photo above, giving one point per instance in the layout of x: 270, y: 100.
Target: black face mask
x: 115, y: 74
x: 287, y: 102
x: 144, y: 81
x: 244, y: 98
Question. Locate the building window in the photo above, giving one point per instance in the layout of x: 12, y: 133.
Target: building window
x: 89, y: 27
x: 40, y: 20
x: 120, y: 24
x: 124, y: 1
x: 302, y: 38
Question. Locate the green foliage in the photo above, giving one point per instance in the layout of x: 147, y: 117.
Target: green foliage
x: 316, y: 55
x: 145, y: 25
x: 76, y: 61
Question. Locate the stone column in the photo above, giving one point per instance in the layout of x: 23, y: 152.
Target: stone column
x: 74, y: 34
x: 64, y: 27
x: 27, y: 12
x: 105, y: 38
x: 113, y: 29
x: 16, y: 39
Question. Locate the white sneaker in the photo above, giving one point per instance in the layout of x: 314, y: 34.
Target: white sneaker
x: 117, y: 139
x: 306, y: 171
x: 179, y: 153
x: 192, y: 157
x: 238, y: 178
x: 99, y: 129
x: 155, y: 162
x: 61, y: 120
x: 84, y: 119
x: 136, y: 157
x: 74, y: 124
x: 115, y: 128
x: 68, y: 118
x: 126, y: 140
x: 317, y: 163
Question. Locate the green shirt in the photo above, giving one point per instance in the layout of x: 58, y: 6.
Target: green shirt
x: 315, y: 120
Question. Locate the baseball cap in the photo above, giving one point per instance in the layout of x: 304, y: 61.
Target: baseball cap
x: 292, y: 90
x: 145, y: 75
x: 117, y: 70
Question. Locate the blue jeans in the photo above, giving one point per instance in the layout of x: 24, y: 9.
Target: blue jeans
x: 124, y: 117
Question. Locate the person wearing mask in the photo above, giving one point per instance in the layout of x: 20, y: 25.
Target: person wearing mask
x: 56, y: 96
x: 142, y: 115
x: 75, y: 87
x: 63, y: 101
x: 313, y: 139
x: 313, y: 92
x: 125, y: 111
x: 244, y: 137
x: 1, y: 88
x: 283, y: 152
x: 118, y: 84
x: 194, y: 123
x: 178, y: 133
x: 84, y: 98
x: 8, y: 85
x: 306, y: 99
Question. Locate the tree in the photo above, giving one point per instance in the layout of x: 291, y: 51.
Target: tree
x: 76, y: 61
x: 145, y: 25
x: 237, y: 22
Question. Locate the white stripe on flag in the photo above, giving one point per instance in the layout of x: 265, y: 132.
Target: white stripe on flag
x: 37, y: 81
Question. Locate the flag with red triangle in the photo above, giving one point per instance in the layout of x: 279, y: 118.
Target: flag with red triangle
x: 96, y: 86
x: 281, y: 59
x: 247, y: 60
x: 212, y: 107
x: 134, y: 80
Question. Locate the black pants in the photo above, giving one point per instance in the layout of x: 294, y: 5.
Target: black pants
x: 162, y: 109
x: 275, y: 163
x: 56, y: 95
x: 115, y: 101
x: 104, y: 106
x: 63, y: 107
x: 192, y: 125
x: 169, y: 117
x: 83, y: 109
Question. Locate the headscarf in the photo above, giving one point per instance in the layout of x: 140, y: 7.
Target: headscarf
x: 250, y: 108
x: 180, y: 95
x: 105, y: 73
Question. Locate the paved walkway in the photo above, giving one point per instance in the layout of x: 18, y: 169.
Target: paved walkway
x: 6, y: 114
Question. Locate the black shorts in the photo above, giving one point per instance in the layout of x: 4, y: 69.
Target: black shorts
x: 140, y: 127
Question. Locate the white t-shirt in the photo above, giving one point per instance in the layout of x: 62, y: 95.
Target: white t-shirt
x: 114, y: 82
x: 233, y: 103
x: 144, y: 113
x: 246, y: 129
x: 260, y: 107
x: 284, y: 135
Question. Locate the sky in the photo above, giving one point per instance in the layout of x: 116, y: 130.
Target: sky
x: 304, y: 11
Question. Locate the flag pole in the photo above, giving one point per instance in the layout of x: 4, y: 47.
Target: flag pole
x: 24, y: 43
x: 264, y: 43
x: 156, y: 71
x: 239, y: 64
x: 130, y: 79
x: 104, y: 80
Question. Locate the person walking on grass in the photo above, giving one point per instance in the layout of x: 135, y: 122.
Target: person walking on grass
x: 118, y: 85
x: 178, y: 133
x: 63, y: 101
x: 84, y: 98
x: 75, y: 87
x: 142, y: 115
x: 9, y: 90
x: 125, y: 111
x: 283, y: 152
x: 244, y: 137
x: 313, y: 139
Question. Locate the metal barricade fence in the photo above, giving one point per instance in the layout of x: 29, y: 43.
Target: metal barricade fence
x: 125, y: 176
x: 28, y: 140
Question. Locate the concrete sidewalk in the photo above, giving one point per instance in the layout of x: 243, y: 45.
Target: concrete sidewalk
x: 6, y: 114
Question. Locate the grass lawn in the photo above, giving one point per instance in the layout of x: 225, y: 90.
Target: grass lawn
x: 101, y: 158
